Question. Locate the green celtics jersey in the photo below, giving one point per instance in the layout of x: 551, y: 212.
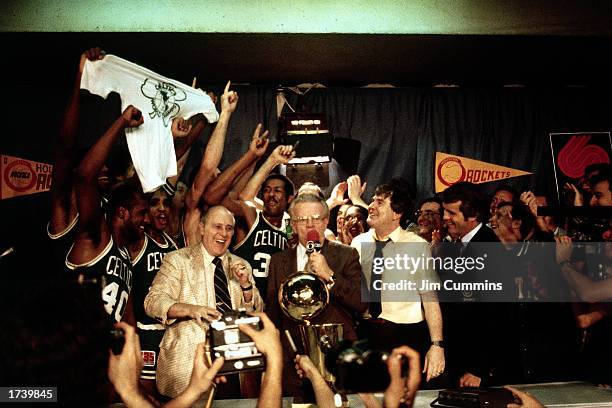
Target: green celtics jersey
x: 262, y: 240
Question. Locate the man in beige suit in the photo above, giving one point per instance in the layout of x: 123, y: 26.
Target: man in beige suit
x: 186, y: 295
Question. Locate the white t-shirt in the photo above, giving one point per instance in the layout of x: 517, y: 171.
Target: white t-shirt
x: 160, y: 99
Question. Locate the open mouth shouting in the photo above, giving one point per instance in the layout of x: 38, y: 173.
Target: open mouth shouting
x: 161, y: 221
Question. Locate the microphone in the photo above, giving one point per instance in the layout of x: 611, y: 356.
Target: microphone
x: 312, y: 243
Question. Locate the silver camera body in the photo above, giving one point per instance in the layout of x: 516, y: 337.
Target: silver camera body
x: 238, y: 349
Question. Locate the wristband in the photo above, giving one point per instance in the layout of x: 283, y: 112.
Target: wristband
x: 564, y: 263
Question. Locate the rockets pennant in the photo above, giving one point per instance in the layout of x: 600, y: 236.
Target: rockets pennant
x: 23, y: 177
x: 451, y: 169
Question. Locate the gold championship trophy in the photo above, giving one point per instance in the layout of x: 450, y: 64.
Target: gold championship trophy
x: 303, y: 296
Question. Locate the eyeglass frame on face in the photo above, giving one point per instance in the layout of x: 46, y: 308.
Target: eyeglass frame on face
x: 312, y: 218
x: 427, y: 213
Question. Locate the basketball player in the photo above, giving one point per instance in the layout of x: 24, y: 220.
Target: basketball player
x: 99, y: 250
x: 155, y: 243
x: 265, y: 232
x: 61, y: 227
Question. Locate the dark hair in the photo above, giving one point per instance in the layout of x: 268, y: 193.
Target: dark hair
x: 472, y: 201
x: 59, y: 337
x: 400, y: 193
x: 364, y: 215
x: 506, y: 187
x: 520, y: 211
x: 602, y: 176
x: 289, y: 187
x: 432, y: 199
x: 596, y: 167
x: 124, y: 195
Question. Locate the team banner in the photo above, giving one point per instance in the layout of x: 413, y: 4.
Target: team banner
x: 451, y: 169
x: 573, y: 152
x: 23, y: 177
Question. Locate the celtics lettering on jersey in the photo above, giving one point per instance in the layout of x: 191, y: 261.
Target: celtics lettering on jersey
x: 263, y: 240
x: 145, y: 266
x: 114, y: 268
x: 118, y: 286
x: 154, y: 261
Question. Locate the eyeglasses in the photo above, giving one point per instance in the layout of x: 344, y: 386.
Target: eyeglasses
x: 313, y: 218
x: 426, y: 213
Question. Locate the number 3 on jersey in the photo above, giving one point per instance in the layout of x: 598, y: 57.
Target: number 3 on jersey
x: 109, y: 296
x: 262, y: 270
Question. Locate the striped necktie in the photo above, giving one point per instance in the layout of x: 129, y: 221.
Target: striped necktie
x: 222, y: 295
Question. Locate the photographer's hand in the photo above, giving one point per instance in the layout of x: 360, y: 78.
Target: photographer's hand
x: 124, y: 369
x: 267, y: 341
x: 469, y: 380
x: 402, y: 389
x: 305, y: 367
x: 323, y: 394
x: 527, y: 401
x: 202, y: 379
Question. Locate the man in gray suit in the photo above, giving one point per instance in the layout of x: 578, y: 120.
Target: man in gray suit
x: 186, y: 295
x: 337, y: 264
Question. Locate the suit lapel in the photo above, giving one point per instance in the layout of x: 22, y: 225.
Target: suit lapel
x: 197, y: 278
x: 329, y: 254
x: 292, y: 263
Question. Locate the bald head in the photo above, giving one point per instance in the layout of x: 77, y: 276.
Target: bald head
x: 217, y: 209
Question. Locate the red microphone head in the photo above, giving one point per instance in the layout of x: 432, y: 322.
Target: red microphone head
x: 312, y: 235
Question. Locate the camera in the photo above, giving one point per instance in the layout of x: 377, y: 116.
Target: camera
x: 238, y: 349
x: 358, y: 368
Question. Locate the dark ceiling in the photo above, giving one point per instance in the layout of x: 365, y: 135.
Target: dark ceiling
x: 331, y: 59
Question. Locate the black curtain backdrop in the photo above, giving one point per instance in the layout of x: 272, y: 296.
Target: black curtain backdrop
x: 400, y: 129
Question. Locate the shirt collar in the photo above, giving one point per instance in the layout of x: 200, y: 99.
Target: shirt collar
x: 394, y: 236
x: 208, y: 258
x: 301, y: 251
x: 468, y: 237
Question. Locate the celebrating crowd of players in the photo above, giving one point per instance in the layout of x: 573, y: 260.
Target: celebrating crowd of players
x: 169, y: 262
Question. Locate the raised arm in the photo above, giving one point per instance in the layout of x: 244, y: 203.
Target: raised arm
x: 92, y: 231
x: 267, y: 341
x: 280, y: 155
x: 355, y: 190
x: 323, y: 394
x: 336, y: 197
x: 243, y: 207
x: 219, y: 188
x: 214, y: 150
x: 188, y: 134
x: 529, y: 199
x: 63, y: 203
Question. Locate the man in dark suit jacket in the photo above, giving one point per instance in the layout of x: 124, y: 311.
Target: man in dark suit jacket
x: 336, y: 264
x: 474, y: 330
